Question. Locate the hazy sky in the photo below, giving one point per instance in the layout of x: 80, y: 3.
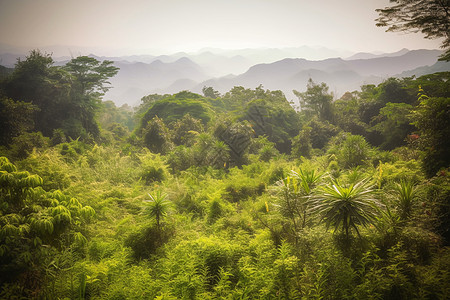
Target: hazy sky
x: 139, y: 26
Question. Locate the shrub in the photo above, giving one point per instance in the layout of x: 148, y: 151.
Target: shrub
x: 237, y: 192
x: 215, y: 211
x: 152, y: 174
x: 156, y: 136
x: 351, y: 150
x: 22, y: 146
x: 180, y: 158
x: 51, y: 167
x: 148, y: 239
x: 346, y: 206
x: 153, y: 168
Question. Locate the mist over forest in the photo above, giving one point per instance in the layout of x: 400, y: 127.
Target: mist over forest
x: 277, y: 172
x: 276, y: 69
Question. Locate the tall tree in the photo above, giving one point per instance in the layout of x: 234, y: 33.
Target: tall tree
x: 393, y: 123
x: 91, y: 76
x: 272, y: 116
x: 67, y: 97
x: 210, y: 92
x: 36, y: 80
x: 89, y: 84
x: 316, y: 99
x: 432, y: 118
x: 431, y: 17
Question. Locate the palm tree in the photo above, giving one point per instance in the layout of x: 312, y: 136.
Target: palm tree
x: 346, y: 206
x: 406, y: 193
x: 158, y: 206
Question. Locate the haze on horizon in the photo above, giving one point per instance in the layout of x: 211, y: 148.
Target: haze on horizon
x: 117, y: 27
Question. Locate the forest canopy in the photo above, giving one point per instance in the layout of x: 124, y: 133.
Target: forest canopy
x: 233, y: 196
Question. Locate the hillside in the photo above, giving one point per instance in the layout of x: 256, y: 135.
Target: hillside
x: 233, y: 196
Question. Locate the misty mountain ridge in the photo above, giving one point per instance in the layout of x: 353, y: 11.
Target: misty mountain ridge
x: 9, y: 54
x: 367, y: 55
x: 293, y: 73
x: 141, y: 75
x: 339, y: 74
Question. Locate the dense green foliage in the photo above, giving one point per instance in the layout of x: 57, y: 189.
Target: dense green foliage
x: 175, y: 107
x: 234, y: 196
x: 432, y: 118
x: 66, y: 98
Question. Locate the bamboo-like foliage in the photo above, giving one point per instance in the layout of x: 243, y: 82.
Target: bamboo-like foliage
x: 295, y: 191
x: 346, y: 206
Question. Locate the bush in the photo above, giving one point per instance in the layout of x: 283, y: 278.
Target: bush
x: 147, y: 240
x: 181, y: 158
x: 58, y: 137
x: 152, y: 174
x: 401, y: 170
x: 51, y: 167
x: 153, y: 168
x: 156, y: 136
x: 215, y: 211
x: 72, y: 150
x: 237, y: 192
x: 22, y: 146
x: 350, y: 150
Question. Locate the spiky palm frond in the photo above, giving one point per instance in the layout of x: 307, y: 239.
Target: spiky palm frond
x: 308, y: 180
x: 158, y: 206
x: 406, y: 193
x: 346, y: 206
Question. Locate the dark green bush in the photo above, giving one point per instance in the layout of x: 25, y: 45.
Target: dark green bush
x: 153, y: 174
x: 22, y: 145
x: 215, y: 211
x: 147, y: 240
x: 236, y: 192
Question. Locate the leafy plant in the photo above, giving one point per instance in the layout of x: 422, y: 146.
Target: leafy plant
x: 35, y: 224
x: 157, y: 207
x: 354, y: 151
x: 346, y: 206
x: 157, y: 136
x: 406, y: 194
x: 294, y: 192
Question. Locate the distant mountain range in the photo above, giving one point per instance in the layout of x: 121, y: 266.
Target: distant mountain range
x: 275, y: 69
x: 341, y: 75
x: 366, y: 55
